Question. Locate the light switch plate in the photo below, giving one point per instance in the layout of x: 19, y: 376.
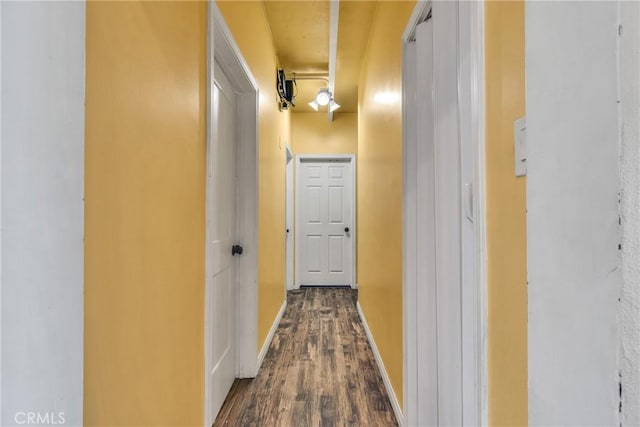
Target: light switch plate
x: 520, y: 141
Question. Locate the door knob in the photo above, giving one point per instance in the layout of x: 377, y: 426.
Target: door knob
x: 236, y: 250
x: 287, y: 230
x: 346, y: 229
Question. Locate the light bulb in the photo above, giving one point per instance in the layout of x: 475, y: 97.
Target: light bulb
x: 323, y: 97
x: 333, y: 106
x: 313, y: 104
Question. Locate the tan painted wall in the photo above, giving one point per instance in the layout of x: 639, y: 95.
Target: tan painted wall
x: 506, y: 216
x: 312, y: 133
x: 248, y: 24
x: 379, y: 199
x: 144, y: 213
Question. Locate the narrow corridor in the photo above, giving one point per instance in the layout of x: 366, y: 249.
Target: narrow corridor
x: 319, y: 370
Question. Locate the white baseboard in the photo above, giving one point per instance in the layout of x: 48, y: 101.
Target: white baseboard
x: 272, y: 332
x: 385, y: 377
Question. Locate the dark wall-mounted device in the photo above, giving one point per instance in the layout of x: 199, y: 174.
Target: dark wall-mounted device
x: 285, y: 90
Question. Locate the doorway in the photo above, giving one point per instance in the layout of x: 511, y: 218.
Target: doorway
x: 325, y: 220
x: 289, y: 230
x: 231, y: 253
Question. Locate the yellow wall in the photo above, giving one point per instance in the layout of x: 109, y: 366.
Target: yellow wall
x: 506, y: 216
x: 248, y: 24
x: 312, y: 133
x: 379, y: 206
x: 144, y: 213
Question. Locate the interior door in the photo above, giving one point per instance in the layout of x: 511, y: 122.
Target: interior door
x: 221, y: 357
x: 469, y: 290
x: 448, y: 211
x: 437, y: 186
x: 426, y: 292
x: 324, y: 250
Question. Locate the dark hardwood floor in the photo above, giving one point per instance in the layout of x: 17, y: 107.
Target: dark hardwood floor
x: 319, y: 370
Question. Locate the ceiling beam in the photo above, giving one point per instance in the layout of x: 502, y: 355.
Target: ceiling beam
x: 333, y: 47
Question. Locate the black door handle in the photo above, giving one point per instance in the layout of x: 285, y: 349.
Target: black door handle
x: 346, y: 229
x: 236, y: 250
x: 287, y: 230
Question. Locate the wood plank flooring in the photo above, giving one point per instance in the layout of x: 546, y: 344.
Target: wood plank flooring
x: 319, y: 370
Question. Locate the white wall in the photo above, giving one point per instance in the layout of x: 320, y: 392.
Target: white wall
x: 629, y: 312
x: 572, y: 202
x: 43, y: 57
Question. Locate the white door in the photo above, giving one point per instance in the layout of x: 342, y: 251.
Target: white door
x: 469, y: 289
x: 425, y: 257
x: 448, y: 211
x: 221, y: 356
x: 325, y: 228
x: 439, y: 238
x: 289, y: 217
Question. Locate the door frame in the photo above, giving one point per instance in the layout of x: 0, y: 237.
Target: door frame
x: 351, y: 158
x: 1, y: 352
x: 289, y: 212
x: 222, y: 48
x: 473, y: 13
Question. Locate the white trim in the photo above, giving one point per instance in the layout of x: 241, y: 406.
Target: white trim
x: 320, y: 157
x: 411, y: 246
x: 270, y: 335
x: 227, y: 52
x: 222, y: 48
x: 383, y: 372
x: 1, y: 213
x: 334, y: 19
x: 290, y: 236
x: 418, y: 15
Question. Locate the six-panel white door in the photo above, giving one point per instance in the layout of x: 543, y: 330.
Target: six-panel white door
x: 324, y: 250
x: 221, y: 356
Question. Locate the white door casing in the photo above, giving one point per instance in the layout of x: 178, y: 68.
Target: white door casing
x: 289, y: 229
x: 325, y: 216
x: 1, y: 212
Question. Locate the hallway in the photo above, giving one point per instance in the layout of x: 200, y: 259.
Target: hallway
x: 169, y: 169
x: 319, y: 370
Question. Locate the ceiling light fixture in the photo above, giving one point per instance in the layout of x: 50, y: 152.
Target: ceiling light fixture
x: 324, y: 97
